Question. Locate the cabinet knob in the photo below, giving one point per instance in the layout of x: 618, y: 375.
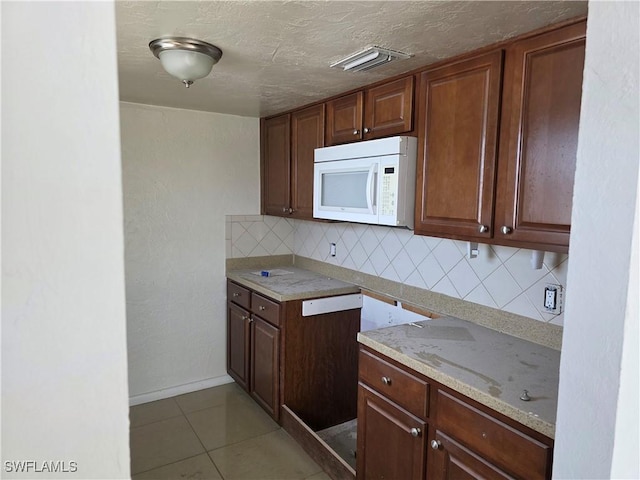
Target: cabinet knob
x: 291, y: 210
x: 483, y: 229
x: 366, y: 130
x: 236, y: 294
x: 506, y: 230
x: 415, y: 432
x: 244, y: 317
x: 261, y: 308
x: 285, y: 209
x: 436, y: 444
x: 356, y: 132
x: 250, y: 320
x: 386, y: 380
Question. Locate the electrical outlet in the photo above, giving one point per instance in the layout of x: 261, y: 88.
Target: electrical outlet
x: 553, y: 298
x: 332, y: 249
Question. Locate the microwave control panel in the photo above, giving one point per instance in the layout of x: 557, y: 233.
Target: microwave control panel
x: 389, y: 190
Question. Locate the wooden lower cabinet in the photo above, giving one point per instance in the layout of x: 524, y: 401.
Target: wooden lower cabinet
x: 453, y: 461
x: 309, y: 364
x: 265, y: 364
x: 456, y: 438
x: 253, y: 345
x: 238, y: 345
x: 391, y: 441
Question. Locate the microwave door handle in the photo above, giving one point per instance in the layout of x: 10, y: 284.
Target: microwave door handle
x: 371, y: 179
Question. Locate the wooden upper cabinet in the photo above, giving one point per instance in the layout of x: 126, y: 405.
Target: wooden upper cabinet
x: 539, y: 136
x: 377, y: 112
x: 276, y: 175
x: 307, y: 134
x: 388, y: 109
x: 344, y: 119
x: 458, y: 132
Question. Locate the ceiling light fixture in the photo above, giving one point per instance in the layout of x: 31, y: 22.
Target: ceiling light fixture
x: 186, y: 58
x: 369, y: 58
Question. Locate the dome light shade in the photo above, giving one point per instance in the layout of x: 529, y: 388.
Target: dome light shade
x: 185, y: 58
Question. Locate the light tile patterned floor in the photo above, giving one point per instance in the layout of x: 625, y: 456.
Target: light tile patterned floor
x: 217, y: 433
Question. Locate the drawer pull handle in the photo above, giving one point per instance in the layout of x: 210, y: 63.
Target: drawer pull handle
x: 436, y: 444
x: 261, y: 308
x: 236, y: 294
x: 386, y: 380
x: 415, y: 432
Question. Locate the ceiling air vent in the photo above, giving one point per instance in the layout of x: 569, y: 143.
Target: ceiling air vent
x: 369, y: 58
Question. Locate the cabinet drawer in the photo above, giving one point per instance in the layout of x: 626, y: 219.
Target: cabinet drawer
x: 238, y: 295
x: 508, y: 448
x: 265, y: 308
x: 394, y: 383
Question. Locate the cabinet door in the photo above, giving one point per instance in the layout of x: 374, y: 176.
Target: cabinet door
x: 265, y: 365
x: 238, y: 344
x: 389, y: 109
x: 386, y: 446
x: 276, y: 176
x: 449, y: 460
x: 307, y: 134
x: 344, y: 119
x: 459, y: 107
x: 539, y: 137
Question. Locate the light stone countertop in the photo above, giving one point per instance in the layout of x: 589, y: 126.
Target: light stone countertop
x: 488, y: 366
x: 299, y: 284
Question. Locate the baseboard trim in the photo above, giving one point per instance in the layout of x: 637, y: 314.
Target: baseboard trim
x: 179, y: 390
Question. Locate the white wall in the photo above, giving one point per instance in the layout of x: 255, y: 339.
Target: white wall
x: 182, y: 172
x: 64, y: 362
x: 597, y: 429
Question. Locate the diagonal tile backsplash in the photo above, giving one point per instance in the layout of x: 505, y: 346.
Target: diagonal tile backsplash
x: 500, y: 277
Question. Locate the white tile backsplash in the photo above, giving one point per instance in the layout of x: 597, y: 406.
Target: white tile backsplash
x: 500, y: 277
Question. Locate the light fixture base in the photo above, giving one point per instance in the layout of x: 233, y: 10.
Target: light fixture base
x: 369, y: 58
x: 184, y: 43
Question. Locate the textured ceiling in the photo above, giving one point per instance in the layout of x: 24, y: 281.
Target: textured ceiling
x: 277, y: 54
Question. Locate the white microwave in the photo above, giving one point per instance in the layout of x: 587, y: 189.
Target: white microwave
x: 366, y: 182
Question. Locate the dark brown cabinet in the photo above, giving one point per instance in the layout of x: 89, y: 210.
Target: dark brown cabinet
x: 391, y: 441
x: 377, y: 112
x: 455, y: 462
x: 517, y: 192
x: 468, y: 435
x: 458, y: 135
x: 253, y: 345
x: 410, y: 426
x: 288, y: 142
x: 276, y: 161
x: 539, y: 138
x: 265, y: 365
x: 238, y: 343
x: 307, y: 134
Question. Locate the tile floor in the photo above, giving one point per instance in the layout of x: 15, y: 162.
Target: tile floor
x: 217, y: 433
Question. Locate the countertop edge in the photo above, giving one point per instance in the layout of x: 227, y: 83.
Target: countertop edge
x: 485, y: 399
x: 345, y: 290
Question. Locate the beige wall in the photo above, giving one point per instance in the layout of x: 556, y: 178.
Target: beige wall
x: 182, y: 172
